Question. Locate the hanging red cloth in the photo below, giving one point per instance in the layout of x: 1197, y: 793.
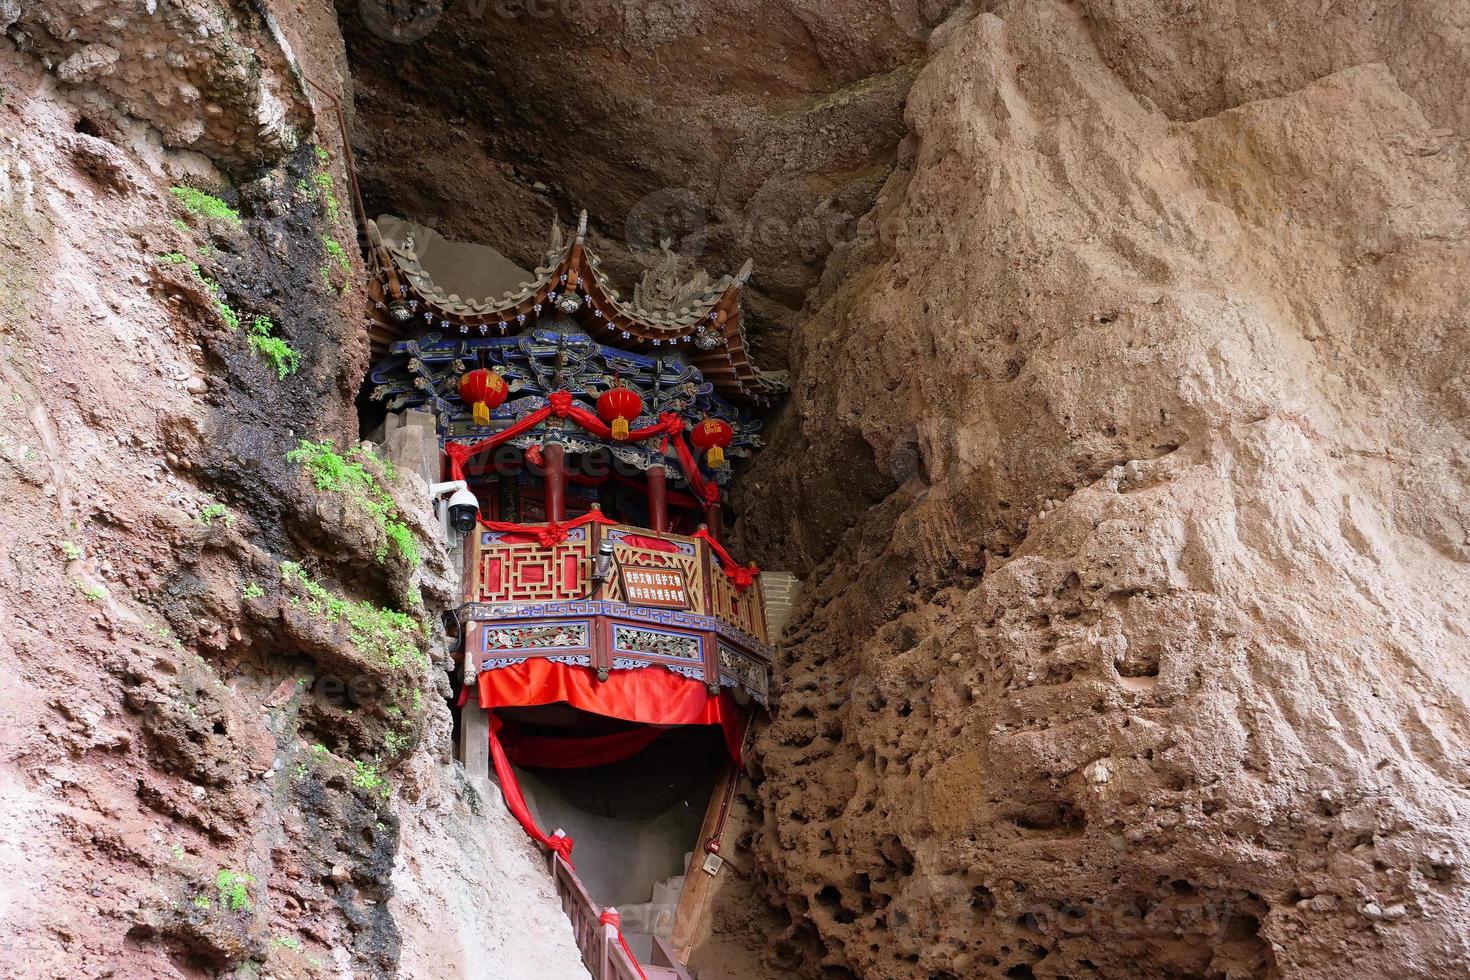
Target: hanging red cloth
x: 510, y: 788
x: 458, y: 452
x: 649, y: 543
x: 741, y: 577
x: 610, y: 917
x: 649, y: 695
x: 695, y: 478
x: 558, y: 752
x: 548, y: 534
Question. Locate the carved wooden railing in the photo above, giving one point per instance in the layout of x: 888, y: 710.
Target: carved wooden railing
x: 510, y: 568
x: 602, y: 952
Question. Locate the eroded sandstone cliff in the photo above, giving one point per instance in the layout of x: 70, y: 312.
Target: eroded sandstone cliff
x: 1150, y: 660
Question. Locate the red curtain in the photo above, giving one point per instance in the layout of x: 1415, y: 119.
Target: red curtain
x: 510, y: 788
x: 555, y: 752
x: 548, y: 534
x: 649, y: 695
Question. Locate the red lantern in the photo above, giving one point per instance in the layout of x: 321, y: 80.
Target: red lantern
x: 714, y: 437
x: 484, y: 391
x: 619, y: 406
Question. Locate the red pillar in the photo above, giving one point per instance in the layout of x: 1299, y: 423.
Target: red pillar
x: 712, y: 518
x: 658, y: 501
x: 556, y: 480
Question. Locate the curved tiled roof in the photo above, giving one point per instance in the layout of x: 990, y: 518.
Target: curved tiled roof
x: 706, y: 327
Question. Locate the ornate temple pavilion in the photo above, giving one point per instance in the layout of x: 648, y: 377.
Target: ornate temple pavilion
x: 602, y: 610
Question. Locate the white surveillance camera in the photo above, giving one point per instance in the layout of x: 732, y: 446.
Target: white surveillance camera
x: 464, y: 507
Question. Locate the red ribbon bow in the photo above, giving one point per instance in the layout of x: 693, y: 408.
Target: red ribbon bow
x: 740, y: 577
x: 711, y: 492
x: 550, y: 535
x: 560, y: 402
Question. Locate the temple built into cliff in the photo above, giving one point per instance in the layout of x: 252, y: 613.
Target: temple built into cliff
x: 607, y: 629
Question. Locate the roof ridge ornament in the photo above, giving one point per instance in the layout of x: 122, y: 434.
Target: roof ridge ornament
x: 665, y: 310
x: 661, y: 291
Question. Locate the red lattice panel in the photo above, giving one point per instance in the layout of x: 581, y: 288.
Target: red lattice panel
x: 534, y: 573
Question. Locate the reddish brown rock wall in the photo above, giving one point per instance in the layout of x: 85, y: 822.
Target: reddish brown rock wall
x: 1147, y: 661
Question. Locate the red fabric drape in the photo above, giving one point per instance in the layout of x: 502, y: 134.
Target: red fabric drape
x: 665, y: 425
x: 548, y: 534
x: 610, y: 917
x: 458, y: 452
x: 740, y: 576
x: 649, y: 542
x: 649, y: 695
x: 696, y: 479
x: 510, y: 788
x: 561, y: 405
x: 555, y: 752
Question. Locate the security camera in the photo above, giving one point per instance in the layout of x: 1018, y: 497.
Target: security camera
x: 603, y: 566
x: 460, y: 511
x: 463, y: 509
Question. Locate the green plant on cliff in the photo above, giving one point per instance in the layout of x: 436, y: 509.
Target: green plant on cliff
x: 392, y: 637
x: 70, y: 551
x: 396, y: 742
x: 334, y: 473
x: 365, y: 775
x: 226, y: 312
x: 251, y: 590
x: 203, y: 205
x: 337, y: 263
x: 215, y: 512
x: 234, y: 889
x: 326, y: 186
x: 93, y: 593
x: 282, y: 356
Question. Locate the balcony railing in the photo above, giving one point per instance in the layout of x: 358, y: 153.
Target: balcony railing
x: 601, y: 950
x: 667, y: 601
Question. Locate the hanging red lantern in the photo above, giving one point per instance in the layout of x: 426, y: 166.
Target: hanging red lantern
x: 484, y: 391
x: 714, y: 437
x: 618, y: 406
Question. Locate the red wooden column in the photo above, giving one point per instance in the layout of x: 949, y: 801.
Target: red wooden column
x: 712, y: 518
x: 658, y: 499
x: 552, y: 455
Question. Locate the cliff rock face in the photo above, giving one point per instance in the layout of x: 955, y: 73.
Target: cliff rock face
x: 226, y: 732
x: 1129, y: 453
x: 734, y: 130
